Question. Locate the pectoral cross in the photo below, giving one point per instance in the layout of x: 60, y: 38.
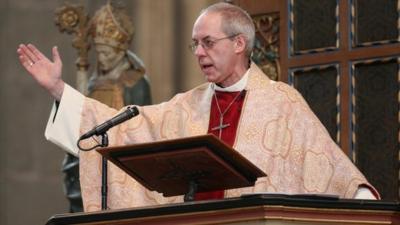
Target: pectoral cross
x: 221, y: 126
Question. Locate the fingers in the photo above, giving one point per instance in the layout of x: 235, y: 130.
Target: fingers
x: 27, y: 53
x: 30, y: 53
x: 23, y: 58
x: 25, y: 62
x: 36, y: 53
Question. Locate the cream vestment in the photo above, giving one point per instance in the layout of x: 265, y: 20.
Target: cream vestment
x: 277, y: 132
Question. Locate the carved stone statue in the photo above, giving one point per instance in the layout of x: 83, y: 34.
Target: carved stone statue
x: 119, y: 77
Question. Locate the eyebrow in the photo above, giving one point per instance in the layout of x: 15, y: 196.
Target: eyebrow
x: 206, y: 37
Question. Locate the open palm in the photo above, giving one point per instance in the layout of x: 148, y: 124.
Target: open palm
x: 47, y: 73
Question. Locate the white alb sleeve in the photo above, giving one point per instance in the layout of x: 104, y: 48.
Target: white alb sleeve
x: 64, y: 122
x: 364, y: 193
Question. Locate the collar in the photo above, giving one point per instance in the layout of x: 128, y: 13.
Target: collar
x: 238, y: 86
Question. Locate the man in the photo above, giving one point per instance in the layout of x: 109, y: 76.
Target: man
x: 267, y: 122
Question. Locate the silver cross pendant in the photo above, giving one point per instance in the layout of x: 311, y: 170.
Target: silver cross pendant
x: 220, y: 126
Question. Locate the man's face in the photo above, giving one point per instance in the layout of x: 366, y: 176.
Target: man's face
x: 108, y: 57
x: 216, y: 62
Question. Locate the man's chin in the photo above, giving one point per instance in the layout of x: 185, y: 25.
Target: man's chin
x: 210, y: 78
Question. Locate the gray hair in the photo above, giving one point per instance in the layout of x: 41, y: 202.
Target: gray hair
x: 235, y: 20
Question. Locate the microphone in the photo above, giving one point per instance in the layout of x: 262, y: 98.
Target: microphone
x: 130, y: 112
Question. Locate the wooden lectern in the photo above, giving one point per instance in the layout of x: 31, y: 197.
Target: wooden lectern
x: 268, y: 209
x: 185, y: 166
x: 173, y: 167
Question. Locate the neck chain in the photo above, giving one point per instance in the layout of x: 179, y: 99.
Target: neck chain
x: 221, y: 114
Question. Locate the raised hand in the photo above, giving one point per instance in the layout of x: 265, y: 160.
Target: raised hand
x: 47, y: 73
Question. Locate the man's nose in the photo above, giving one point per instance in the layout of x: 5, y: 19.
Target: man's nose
x: 199, y: 51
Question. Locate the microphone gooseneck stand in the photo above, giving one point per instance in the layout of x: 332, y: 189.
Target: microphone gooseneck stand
x: 104, y: 171
x: 104, y: 189
x: 101, y: 130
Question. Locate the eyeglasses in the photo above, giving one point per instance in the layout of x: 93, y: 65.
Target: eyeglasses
x: 207, y: 43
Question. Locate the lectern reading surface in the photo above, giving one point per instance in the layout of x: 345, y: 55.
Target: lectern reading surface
x: 169, y: 167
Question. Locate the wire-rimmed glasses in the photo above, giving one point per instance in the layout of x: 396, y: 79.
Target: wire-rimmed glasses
x: 208, y: 43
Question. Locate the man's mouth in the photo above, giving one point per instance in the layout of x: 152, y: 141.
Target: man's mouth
x: 206, y: 66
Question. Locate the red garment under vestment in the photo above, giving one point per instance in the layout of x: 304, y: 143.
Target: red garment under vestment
x: 228, y: 134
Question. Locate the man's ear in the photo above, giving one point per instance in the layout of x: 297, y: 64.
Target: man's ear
x: 240, y: 44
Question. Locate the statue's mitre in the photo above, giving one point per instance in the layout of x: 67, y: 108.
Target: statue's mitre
x: 112, y: 26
